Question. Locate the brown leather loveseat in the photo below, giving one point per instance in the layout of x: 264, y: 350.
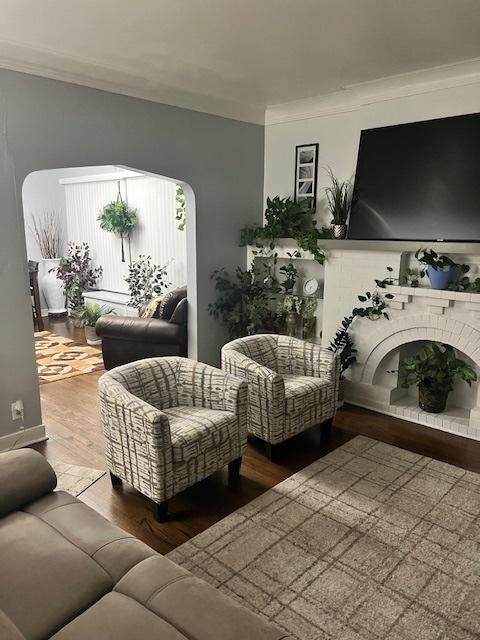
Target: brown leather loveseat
x: 66, y: 573
x: 127, y: 338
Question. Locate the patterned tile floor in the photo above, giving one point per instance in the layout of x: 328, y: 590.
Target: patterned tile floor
x: 370, y: 542
x: 59, y: 357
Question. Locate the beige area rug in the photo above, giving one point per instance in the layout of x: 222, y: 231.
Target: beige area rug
x: 369, y: 542
x: 59, y: 358
x: 73, y: 478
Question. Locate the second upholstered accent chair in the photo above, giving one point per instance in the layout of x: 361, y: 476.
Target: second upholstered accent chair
x: 170, y: 422
x: 292, y: 384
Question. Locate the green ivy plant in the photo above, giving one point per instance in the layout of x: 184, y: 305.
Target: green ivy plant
x: 180, y: 212
x: 118, y: 218
x: 285, y: 218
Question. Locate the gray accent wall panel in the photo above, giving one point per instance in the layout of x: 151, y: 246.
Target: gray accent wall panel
x: 46, y: 124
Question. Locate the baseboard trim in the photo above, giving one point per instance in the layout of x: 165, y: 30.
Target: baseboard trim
x: 23, y: 438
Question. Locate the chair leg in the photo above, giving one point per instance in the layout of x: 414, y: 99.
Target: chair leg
x: 270, y: 451
x: 160, y: 511
x: 234, y: 469
x: 115, y: 480
x: 326, y: 430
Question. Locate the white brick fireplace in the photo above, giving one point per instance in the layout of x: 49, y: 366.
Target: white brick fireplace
x: 416, y: 315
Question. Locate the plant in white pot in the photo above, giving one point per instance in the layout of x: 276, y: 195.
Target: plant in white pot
x: 46, y: 231
x: 339, y: 200
x: 88, y: 314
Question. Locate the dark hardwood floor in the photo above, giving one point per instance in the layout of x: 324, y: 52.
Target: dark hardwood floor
x: 71, y: 414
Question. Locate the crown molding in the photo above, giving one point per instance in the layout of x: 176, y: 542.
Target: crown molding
x: 356, y: 96
x: 48, y: 63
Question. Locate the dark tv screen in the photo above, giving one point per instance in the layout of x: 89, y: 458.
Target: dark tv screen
x: 419, y: 181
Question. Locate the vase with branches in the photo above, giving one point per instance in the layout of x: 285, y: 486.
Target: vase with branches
x: 46, y: 231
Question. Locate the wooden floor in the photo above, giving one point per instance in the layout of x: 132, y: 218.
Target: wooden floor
x: 71, y: 414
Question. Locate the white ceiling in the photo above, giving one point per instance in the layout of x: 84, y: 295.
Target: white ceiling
x: 234, y: 57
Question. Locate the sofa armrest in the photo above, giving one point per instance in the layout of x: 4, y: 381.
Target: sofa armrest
x: 25, y: 476
x: 146, y: 330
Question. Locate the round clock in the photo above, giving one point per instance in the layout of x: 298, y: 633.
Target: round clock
x: 310, y: 287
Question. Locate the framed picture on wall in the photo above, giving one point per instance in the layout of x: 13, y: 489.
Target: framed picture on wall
x: 306, y: 169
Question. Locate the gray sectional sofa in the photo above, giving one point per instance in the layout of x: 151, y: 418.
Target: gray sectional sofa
x: 66, y: 573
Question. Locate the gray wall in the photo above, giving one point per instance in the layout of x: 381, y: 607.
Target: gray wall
x: 47, y: 124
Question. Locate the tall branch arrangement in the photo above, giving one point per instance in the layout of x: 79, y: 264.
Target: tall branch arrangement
x: 46, y: 231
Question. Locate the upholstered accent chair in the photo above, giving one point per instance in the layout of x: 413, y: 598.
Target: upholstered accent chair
x: 292, y: 384
x: 170, y: 422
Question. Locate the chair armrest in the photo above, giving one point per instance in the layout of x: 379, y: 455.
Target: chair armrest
x: 302, y: 358
x: 201, y: 384
x: 138, y: 445
x: 265, y: 381
x: 25, y: 476
x: 150, y: 330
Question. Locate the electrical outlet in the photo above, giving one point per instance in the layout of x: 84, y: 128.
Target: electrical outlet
x: 18, y: 410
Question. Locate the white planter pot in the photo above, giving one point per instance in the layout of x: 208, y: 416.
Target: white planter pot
x: 52, y: 287
x: 91, y: 337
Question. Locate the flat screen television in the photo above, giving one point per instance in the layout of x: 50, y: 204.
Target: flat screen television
x: 419, y: 181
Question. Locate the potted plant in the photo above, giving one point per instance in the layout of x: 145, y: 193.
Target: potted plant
x: 309, y: 321
x: 88, y: 314
x: 46, y: 231
x: 77, y: 274
x: 145, y: 281
x: 433, y: 371
x: 290, y: 272
x: 243, y: 301
x: 118, y: 218
x: 293, y: 308
x: 339, y: 202
x: 180, y: 208
x: 441, y: 270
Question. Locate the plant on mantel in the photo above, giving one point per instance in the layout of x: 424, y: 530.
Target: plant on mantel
x: 285, y: 218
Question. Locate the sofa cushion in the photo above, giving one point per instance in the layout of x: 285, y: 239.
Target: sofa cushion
x: 114, y: 550
x: 61, y: 557
x: 303, y: 392
x: 195, y: 430
x: 45, y: 580
x: 117, y: 617
x: 169, y: 303
x: 8, y: 631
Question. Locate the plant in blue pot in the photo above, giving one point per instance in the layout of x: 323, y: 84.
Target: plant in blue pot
x: 442, y: 271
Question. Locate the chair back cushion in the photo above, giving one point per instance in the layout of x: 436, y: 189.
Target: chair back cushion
x: 152, y: 380
x: 169, y: 303
x: 261, y: 348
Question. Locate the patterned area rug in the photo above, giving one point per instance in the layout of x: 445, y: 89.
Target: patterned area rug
x: 73, y: 478
x: 59, y: 358
x: 370, y: 542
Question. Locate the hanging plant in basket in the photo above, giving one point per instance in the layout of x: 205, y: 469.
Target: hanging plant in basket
x: 118, y: 218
